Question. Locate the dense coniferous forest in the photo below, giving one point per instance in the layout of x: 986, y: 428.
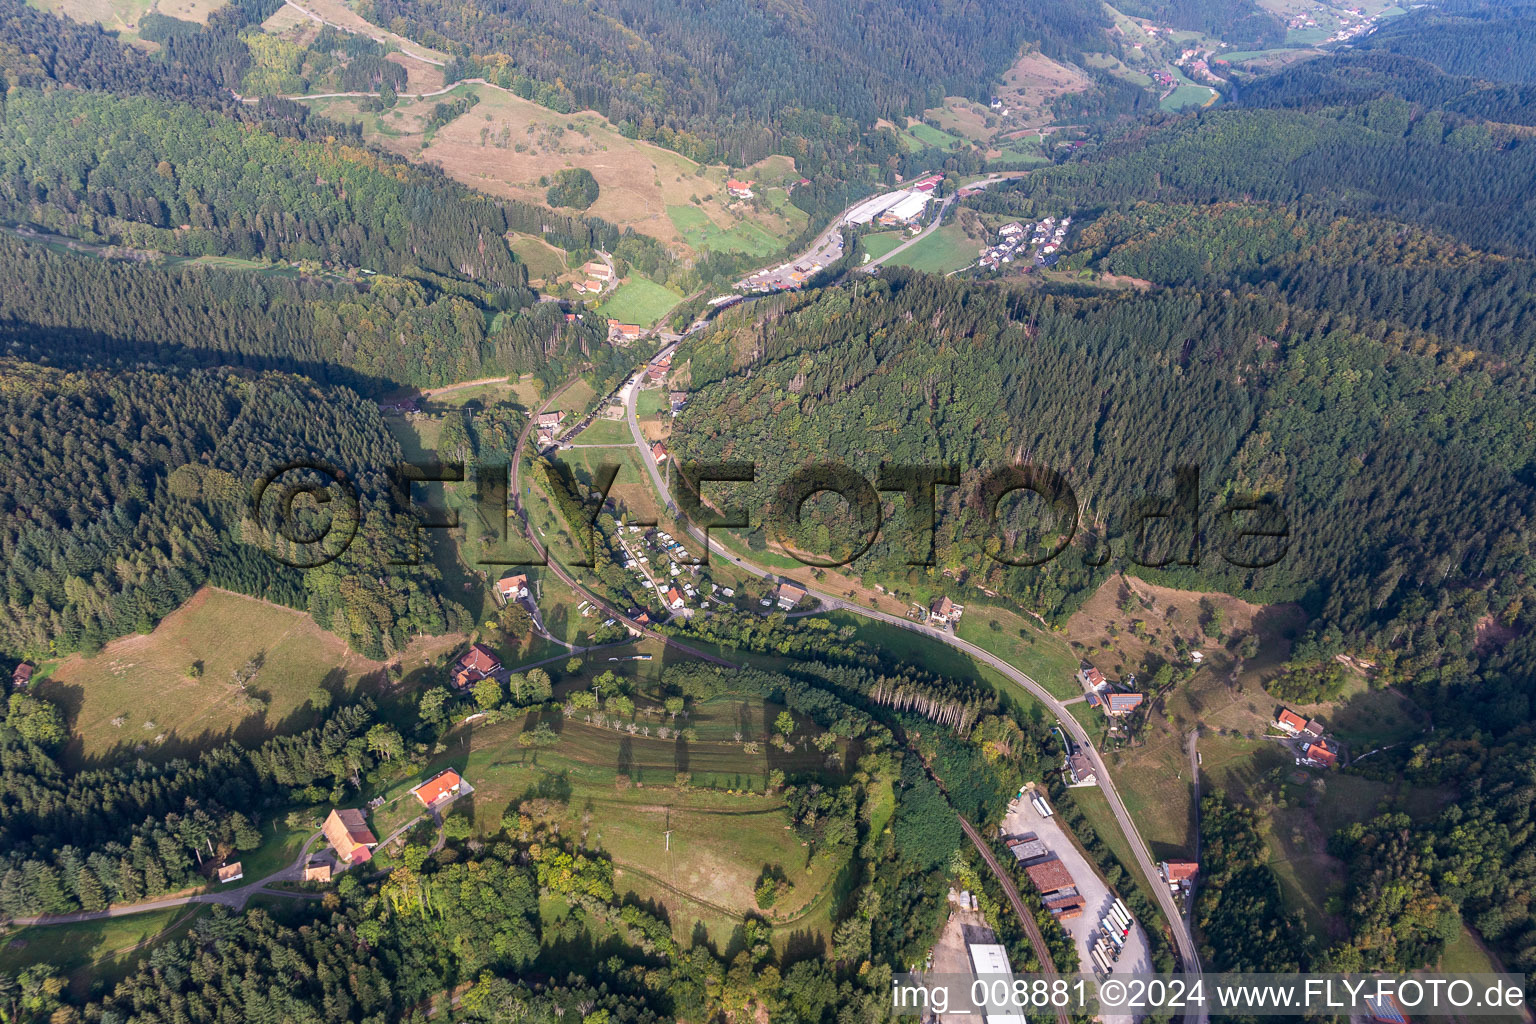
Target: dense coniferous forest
x: 1242, y: 24
x: 1112, y: 392
x: 738, y: 82
x: 127, y: 491
x: 374, y: 334
x: 1496, y: 42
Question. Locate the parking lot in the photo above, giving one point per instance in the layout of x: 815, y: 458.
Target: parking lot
x: 1023, y: 818
x: 827, y: 250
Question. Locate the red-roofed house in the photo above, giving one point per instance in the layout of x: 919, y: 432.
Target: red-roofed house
x: 1179, y: 871
x: 1321, y: 755
x: 513, y: 588
x: 442, y: 786
x: 659, y: 452
x: 674, y: 599
x: 739, y: 189
x: 1290, y: 721
x: 1090, y: 677
x: 347, y: 832
x: 478, y: 663
x: 626, y: 332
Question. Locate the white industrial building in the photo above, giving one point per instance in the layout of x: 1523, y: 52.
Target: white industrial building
x: 991, y: 959
x: 912, y: 205
x: 871, y: 208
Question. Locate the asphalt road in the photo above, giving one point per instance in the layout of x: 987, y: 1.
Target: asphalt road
x: 1183, y: 939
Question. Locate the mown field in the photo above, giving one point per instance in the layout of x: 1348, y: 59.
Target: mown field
x: 882, y: 242
x: 640, y: 301
x: 702, y: 232
x: 172, y: 691
x: 939, y: 251
x: 1023, y: 644
x: 604, y: 431
x: 621, y: 794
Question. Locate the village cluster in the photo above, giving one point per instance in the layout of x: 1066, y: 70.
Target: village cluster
x: 1016, y: 241
x: 350, y: 839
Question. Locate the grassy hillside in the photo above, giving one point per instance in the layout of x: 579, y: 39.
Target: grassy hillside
x: 173, y: 690
x: 622, y: 793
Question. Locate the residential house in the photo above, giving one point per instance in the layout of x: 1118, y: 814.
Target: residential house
x: 674, y: 599
x: 1050, y: 876
x: 479, y: 662
x: 1122, y: 703
x: 739, y: 189
x: 1179, y: 872
x: 550, y: 420
x: 597, y: 269
x: 1090, y: 677
x: 1321, y: 756
x: 623, y: 332
x: 347, y: 831
x: 677, y: 399
x: 943, y: 612
x: 659, y: 452
x: 789, y: 595
x: 1081, y: 769
x: 443, y: 786
x: 659, y: 370
x: 231, y: 872
x: 400, y: 406
x: 513, y: 588
x: 1289, y: 721
x: 1313, y: 729
x: 21, y: 678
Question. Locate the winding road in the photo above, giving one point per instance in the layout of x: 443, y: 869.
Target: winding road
x: 1182, y: 936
